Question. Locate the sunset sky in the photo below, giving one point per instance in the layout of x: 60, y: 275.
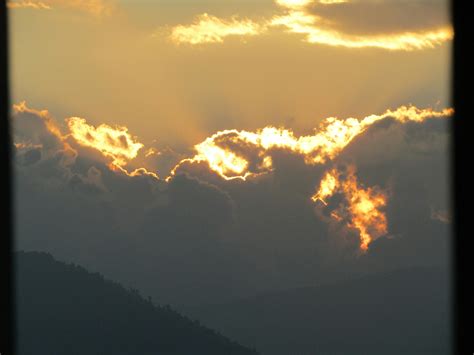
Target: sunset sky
x: 251, y: 145
x: 117, y: 62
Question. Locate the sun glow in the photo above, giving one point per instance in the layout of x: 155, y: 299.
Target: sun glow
x: 96, y: 8
x: 113, y: 142
x: 38, y: 5
x: 292, y: 4
x: 227, y: 152
x: 364, y: 205
x: 315, y: 31
x: 211, y: 29
x: 295, y: 18
x: 234, y: 154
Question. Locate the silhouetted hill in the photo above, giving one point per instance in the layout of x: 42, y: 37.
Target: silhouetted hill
x: 64, y: 309
x: 399, y: 312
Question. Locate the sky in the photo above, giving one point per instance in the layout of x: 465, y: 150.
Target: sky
x: 206, y: 150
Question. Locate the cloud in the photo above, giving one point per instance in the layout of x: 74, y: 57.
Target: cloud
x: 413, y: 167
x: 29, y: 157
x: 364, y: 206
x: 330, y: 2
x: 232, y: 153
x: 315, y: 20
x: 35, y: 127
x: 211, y: 29
x: 35, y: 130
x: 40, y: 141
x: 38, y: 5
x: 94, y: 7
x: 441, y: 215
x: 87, y: 212
x: 293, y: 4
x: 369, y: 18
x: 200, y: 237
x: 113, y: 142
x: 316, y: 32
x: 244, y: 155
x: 299, y: 4
x: 111, y: 146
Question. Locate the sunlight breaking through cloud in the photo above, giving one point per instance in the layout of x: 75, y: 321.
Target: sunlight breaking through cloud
x: 211, y: 29
x: 243, y: 155
x: 96, y: 8
x: 363, y: 208
x: 297, y: 19
x: 330, y: 138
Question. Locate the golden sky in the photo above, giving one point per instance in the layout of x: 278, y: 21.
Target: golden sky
x: 334, y: 111
x: 289, y: 63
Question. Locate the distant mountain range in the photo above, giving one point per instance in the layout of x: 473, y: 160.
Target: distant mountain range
x: 66, y: 310
x: 400, y: 312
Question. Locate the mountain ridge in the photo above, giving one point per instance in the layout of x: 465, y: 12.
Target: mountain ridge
x: 403, y: 311
x: 65, y: 309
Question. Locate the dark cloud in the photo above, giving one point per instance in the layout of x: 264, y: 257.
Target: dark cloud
x: 201, y: 239
x: 29, y: 157
x: 121, y: 225
x: 411, y: 161
x: 32, y: 127
x: 383, y: 17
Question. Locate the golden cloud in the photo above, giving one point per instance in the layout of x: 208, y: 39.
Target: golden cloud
x: 46, y: 136
x: 114, y: 142
x: 95, y: 7
x: 210, y: 29
x: 234, y: 154
x: 363, y: 209
x: 293, y: 4
x: 331, y: 137
x: 329, y: 2
x: 38, y: 5
x: 231, y: 154
x: 44, y: 115
x: 315, y: 32
x: 298, y: 4
x: 440, y: 215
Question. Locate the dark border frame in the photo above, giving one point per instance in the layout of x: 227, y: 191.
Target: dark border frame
x: 7, y: 340
x: 462, y: 179
x: 462, y: 185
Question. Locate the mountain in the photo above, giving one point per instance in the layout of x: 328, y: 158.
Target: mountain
x: 64, y: 309
x: 399, y: 312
